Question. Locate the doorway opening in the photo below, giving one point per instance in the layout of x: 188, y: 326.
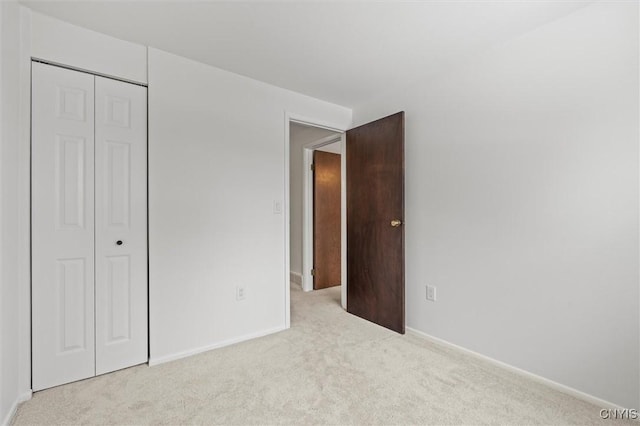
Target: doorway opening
x: 372, y: 269
x: 317, y: 195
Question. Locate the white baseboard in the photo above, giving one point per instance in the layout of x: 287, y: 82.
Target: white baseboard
x: 548, y: 382
x: 12, y: 412
x: 295, y: 278
x: 184, y: 354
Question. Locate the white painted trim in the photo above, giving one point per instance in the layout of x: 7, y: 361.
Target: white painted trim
x: 287, y: 224
x: 14, y: 407
x: 601, y: 403
x: 295, y: 278
x: 638, y: 177
x: 190, y: 352
x: 24, y: 205
x: 343, y: 224
x: 309, y: 121
x: 307, y: 220
x: 307, y: 207
x: 327, y: 140
x: 88, y: 71
x: 12, y: 412
x: 288, y: 118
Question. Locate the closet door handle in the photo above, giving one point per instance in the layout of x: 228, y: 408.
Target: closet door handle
x: 119, y: 242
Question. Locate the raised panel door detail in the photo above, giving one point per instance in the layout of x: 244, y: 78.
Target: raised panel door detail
x: 118, y: 111
x: 71, y: 103
x: 119, y: 182
x: 70, y: 181
x: 62, y: 226
x: 72, y: 308
x: 118, y: 299
x: 121, y: 225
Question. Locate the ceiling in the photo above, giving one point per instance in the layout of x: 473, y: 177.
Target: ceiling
x: 340, y: 51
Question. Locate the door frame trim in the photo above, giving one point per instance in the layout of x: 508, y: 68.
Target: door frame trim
x: 86, y: 71
x: 26, y: 123
x: 291, y: 117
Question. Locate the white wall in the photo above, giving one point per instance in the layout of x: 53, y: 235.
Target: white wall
x: 9, y: 238
x: 300, y: 135
x: 522, y: 201
x: 230, y: 131
x: 63, y: 43
x: 26, y: 34
x: 24, y: 206
x: 216, y: 166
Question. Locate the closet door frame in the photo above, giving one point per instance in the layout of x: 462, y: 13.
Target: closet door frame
x: 141, y: 310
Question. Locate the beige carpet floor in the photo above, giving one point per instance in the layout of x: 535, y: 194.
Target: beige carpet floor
x: 329, y: 368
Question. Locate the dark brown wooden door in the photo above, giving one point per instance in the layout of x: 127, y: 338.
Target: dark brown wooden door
x: 326, y: 220
x: 375, y: 215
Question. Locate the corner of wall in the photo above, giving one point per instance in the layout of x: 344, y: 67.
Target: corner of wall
x: 24, y: 174
x: 10, y: 14
x: 6, y: 421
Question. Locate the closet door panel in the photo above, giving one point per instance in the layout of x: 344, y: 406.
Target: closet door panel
x: 62, y: 226
x: 121, y: 225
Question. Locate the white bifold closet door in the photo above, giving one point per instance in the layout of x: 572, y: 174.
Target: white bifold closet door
x: 121, y: 225
x: 62, y: 226
x: 89, y: 225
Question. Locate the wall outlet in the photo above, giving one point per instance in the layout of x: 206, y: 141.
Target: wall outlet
x: 431, y: 293
x: 241, y: 293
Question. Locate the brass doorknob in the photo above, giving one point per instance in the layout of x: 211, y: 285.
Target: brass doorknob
x: 396, y: 222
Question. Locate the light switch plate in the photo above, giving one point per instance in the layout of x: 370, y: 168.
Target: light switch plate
x: 241, y: 293
x: 431, y: 293
x: 277, y: 207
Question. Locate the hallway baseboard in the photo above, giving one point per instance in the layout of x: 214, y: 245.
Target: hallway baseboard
x: 295, y: 278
